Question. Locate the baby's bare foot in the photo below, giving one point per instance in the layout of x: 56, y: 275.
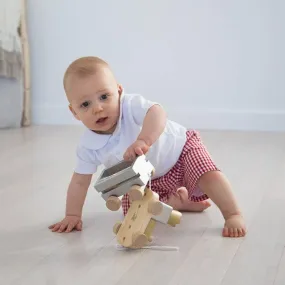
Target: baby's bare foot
x: 180, y: 202
x: 234, y: 226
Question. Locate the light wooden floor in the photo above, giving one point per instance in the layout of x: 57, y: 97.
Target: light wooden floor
x: 35, y: 167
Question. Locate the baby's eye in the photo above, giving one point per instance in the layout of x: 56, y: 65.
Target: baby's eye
x: 104, y: 97
x: 85, y: 104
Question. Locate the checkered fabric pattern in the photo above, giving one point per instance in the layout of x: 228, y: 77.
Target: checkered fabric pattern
x: 193, y: 162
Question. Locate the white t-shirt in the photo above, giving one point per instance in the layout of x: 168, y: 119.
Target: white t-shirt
x: 96, y: 149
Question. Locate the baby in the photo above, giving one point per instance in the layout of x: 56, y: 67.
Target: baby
x: 122, y: 126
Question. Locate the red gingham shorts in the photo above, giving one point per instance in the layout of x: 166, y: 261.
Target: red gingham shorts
x: 193, y: 162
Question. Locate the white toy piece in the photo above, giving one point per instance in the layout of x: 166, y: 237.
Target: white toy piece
x: 164, y: 215
x: 124, y: 177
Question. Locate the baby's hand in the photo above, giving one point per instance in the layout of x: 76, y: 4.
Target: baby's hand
x: 67, y: 225
x: 139, y: 147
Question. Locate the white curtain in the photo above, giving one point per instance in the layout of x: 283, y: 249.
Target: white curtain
x: 14, y: 95
x: 10, y: 44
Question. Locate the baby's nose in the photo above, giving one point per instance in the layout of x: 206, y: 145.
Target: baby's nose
x: 97, y: 108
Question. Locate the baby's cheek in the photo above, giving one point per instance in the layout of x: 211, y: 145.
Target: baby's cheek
x: 88, y: 117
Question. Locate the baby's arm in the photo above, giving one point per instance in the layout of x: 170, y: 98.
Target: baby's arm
x: 76, y: 195
x: 153, y: 126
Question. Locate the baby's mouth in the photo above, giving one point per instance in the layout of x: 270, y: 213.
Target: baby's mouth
x: 101, y: 120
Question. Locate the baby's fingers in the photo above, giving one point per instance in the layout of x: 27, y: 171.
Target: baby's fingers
x: 62, y: 228
x: 56, y: 227
x: 145, y: 148
x: 69, y: 228
x: 130, y: 154
x: 52, y: 226
x: 139, y: 151
x: 127, y: 154
x: 78, y: 227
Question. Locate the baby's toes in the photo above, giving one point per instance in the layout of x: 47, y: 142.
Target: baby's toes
x: 232, y: 232
x: 241, y: 232
x: 226, y: 232
x: 235, y: 232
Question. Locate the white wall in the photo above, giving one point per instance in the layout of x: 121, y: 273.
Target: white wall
x: 213, y: 64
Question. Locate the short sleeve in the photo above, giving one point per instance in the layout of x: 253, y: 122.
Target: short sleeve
x: 139, y: 107
x: 86, y: 163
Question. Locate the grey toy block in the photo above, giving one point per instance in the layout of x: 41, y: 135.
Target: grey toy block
x: 118, y: 179
x: 124, y: 187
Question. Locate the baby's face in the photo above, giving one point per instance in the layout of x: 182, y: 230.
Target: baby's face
x: 95, y: 100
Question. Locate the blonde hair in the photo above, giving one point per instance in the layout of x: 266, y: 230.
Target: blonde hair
x: 83, y: 67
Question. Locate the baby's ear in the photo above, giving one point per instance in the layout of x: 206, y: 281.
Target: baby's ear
x: 120, y: 89
x: 73, y: 112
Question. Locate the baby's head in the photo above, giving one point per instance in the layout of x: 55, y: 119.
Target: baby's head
x: 93, y: 94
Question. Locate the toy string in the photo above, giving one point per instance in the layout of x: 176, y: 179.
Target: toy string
x: 149, y: 182
x: 153, y: 247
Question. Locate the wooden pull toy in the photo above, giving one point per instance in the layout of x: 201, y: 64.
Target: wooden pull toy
x: 131, y: 178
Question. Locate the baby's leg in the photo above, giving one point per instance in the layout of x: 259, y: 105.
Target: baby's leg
x: 180, y: 201
x: 201, y: 171
x: 218, y: 189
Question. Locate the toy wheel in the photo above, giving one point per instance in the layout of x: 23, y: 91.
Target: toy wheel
x: 149, y: 229
x: 139, y: 240
x: 155, y: 208
x: 116, y: 227
x: 136, y: 193
x: 113, y: 203
x: 174, y: 218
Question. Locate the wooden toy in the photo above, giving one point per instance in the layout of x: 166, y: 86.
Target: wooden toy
x: 145, y: 210
x: 119, y: 179
x: 136, y: 229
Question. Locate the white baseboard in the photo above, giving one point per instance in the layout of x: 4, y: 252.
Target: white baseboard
x: 213, y: 119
